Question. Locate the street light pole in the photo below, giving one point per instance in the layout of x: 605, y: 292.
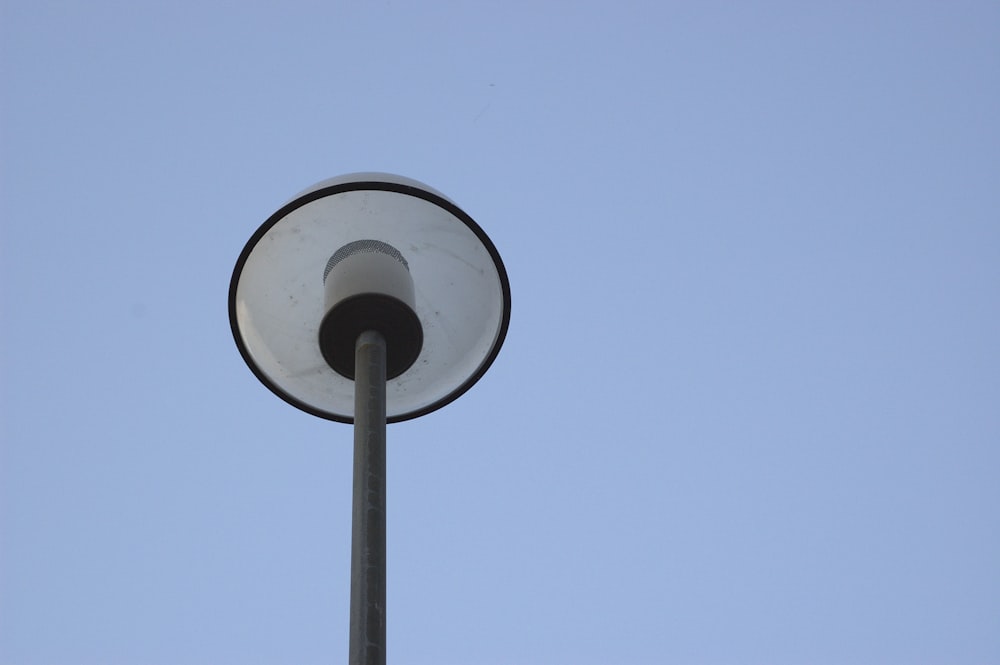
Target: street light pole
x: 367, y: 631
x: 405, y: 315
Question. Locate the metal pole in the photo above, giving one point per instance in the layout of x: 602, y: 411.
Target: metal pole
x: 367, y: 638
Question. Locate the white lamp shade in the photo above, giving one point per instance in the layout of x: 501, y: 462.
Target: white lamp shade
x: 461, y: 294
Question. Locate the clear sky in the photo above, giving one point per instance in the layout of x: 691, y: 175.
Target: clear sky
x: 748, y: 410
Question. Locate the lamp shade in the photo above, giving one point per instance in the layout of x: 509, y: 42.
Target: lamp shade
x: 363, y: 237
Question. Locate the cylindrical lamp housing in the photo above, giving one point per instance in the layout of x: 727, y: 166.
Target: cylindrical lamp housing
x: 367, y: 286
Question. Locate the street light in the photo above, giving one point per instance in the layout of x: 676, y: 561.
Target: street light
x: 369, y: 298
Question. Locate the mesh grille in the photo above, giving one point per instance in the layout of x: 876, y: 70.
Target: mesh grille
x: 363, y: 247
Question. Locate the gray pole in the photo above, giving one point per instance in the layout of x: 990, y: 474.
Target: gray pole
x: 367, y: 638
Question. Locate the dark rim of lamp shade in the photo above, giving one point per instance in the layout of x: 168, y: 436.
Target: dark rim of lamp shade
x: 340, y: 410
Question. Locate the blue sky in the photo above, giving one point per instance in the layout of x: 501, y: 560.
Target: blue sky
x: 747, y: 410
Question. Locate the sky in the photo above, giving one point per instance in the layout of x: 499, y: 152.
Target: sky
x: 747, y: 411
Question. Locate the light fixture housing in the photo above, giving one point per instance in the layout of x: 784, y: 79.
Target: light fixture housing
x: 281, y: 293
